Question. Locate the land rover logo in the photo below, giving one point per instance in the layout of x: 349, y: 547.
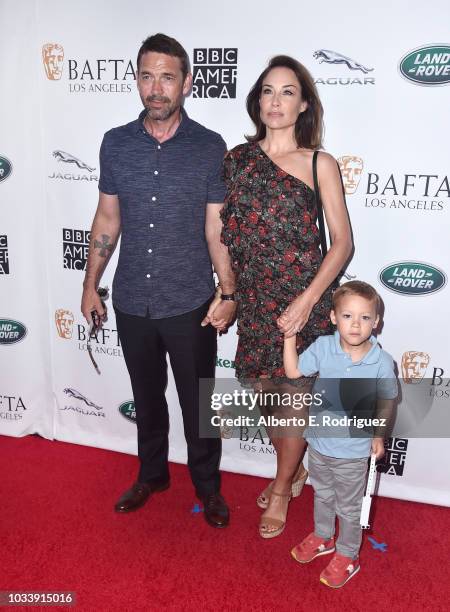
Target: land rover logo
x: 11, y: 331
x: 5, y: 168
x: 128, y: 411
x: 428, y: 65
x: 412, y: 278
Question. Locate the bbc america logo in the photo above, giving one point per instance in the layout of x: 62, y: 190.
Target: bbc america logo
x: 4, y: 259
x: 394, y: 459
x: 75, y: 248
x: 214, y: 73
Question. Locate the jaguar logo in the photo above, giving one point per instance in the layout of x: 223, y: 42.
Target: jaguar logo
x: 68, y: 158
x: 79, y: 396
x: 332, y: 57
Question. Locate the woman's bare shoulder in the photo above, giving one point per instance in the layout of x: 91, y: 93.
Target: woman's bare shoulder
x: 326, y: 159
x: 327, y: 165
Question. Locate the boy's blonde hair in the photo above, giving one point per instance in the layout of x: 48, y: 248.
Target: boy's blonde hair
x: 359, y: 288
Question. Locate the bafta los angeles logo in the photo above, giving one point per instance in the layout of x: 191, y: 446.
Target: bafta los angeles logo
x: 64, y: 323
x: 226, y: 430
x: 68, y: 158
x: 332, y: 57
x: 351, y: 170
x: 414, y: 366
x: 53, y: 58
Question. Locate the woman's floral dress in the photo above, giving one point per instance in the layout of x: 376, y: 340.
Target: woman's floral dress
x: 269, y: 227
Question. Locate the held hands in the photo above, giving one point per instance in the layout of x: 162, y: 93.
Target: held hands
x: 378, y: 447
x: 220, y: 313
x: 296, y: 315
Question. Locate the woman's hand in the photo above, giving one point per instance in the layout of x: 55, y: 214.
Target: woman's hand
x: 224, y: 315
x: 296, y: 315
x: 221, y: 313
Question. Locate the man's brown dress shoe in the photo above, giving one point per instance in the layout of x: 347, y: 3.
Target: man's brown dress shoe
x: 215, y: 510
x: 139, y: 493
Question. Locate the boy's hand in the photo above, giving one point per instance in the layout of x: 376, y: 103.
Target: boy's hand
x: 290, y: 357
x: 378, y: 447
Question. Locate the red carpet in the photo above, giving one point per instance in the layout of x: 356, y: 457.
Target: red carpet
x: 58, y: 532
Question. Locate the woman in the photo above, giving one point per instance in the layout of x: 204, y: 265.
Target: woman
x: 269, y: 226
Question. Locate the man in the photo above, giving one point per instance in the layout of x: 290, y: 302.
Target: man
x: 160, y: 186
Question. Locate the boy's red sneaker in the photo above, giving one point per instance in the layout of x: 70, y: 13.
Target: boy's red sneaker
x: 311, y: 547
x: 339, y: 571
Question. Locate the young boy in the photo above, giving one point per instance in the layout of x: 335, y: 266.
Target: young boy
x: 338, y: 465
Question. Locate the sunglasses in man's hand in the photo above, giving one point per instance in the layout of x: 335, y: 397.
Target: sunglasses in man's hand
x: 96, y: 324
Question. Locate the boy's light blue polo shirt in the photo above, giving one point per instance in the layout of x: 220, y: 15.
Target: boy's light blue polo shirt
x: 337, y: 377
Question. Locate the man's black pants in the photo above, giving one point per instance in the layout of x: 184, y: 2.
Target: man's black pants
x: 192, y: 351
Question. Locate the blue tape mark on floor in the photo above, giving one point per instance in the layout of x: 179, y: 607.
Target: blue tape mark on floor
x: 381, y: 546
x: 196, y: 509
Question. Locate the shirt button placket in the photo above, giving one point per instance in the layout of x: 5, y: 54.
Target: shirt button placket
x: 154, y: 197
x: 156, y: 173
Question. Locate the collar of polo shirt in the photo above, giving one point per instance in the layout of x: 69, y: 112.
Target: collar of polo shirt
x: 371, y: 357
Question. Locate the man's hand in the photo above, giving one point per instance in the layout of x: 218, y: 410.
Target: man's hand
x: 378, y: 447
x: 221, y: 314
x: 104, y: 233
x: 91, y: 301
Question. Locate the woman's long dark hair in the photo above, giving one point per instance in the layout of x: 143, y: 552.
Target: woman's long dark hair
x: 309, y: 124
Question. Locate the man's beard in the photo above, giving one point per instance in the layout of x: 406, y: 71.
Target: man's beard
x: 163, y: 113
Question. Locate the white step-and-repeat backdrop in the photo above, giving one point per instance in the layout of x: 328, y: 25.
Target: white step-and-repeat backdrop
x: 68, y: 75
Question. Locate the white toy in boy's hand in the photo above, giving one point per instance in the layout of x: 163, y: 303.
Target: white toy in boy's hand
x: 367, y: 499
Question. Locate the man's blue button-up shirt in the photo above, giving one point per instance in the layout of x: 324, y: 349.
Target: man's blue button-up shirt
x: 164, y: 268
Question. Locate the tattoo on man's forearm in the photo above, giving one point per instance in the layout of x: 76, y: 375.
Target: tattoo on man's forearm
x: 105, y: 245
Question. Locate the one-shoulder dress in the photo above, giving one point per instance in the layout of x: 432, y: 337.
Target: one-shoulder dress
x: 269, y: 226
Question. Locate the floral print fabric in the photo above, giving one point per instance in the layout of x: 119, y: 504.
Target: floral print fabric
x: 269, y: 226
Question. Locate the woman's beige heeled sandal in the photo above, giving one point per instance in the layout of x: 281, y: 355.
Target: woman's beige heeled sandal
x: 298, y: 483
x: 272, y: 527
x: 262, y: 501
